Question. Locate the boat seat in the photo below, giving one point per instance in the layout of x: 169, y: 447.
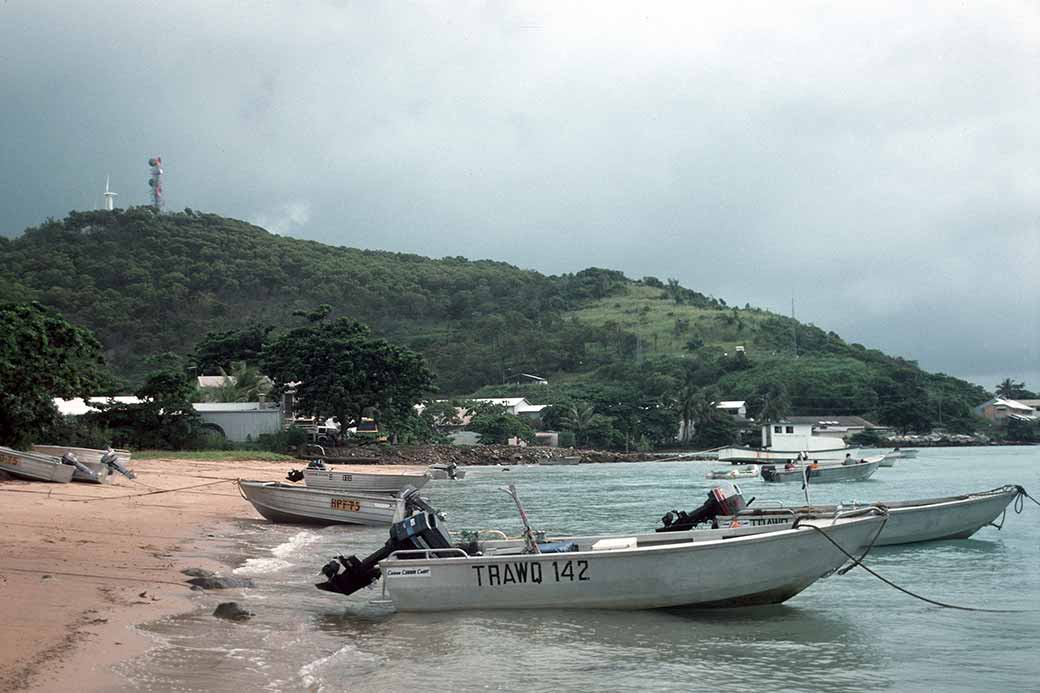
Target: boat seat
x: 615, y: 544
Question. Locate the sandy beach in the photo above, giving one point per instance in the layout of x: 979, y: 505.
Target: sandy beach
x: 80, y: 564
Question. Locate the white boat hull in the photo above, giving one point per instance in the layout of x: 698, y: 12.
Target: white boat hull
x: 441, y: 473
x: 760, y: 568
x: 297, y: 505
x: 738, y: 455
x: 909, y: 522
x: 34, y: 466
x: 742, y: 472
x: 331, y: 479
x: 828, y: 474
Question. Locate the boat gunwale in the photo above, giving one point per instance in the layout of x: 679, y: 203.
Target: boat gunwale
x: 690, y: 543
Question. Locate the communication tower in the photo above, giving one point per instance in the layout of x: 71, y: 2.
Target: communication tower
x: 109, y: 202
x: 155, y: 182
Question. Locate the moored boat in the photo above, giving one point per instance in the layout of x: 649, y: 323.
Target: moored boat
x: 909, y: 521
x: 283, y: 503
x: 422, y: 570
x: 446, y: 471
x: 320, y: 476
x: 820, y: 473
x: 34, y: 466
x: 743, y: 472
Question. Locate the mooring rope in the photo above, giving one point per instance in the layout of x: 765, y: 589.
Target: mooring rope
x: 154, y: 493
x: 888, y: 582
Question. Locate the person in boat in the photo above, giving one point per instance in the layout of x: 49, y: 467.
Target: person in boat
x: 790, y: 466
x: 848, y: 459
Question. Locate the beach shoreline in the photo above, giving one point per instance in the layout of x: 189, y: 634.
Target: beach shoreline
x: 83, y: 564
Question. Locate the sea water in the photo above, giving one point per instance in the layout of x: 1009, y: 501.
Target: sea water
x: 848, y: 632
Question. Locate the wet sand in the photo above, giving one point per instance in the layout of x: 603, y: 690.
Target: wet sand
x: 80, y: 564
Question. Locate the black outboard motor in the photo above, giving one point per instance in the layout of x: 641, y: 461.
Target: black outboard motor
x: 724, y: 499
x: 422, y: 530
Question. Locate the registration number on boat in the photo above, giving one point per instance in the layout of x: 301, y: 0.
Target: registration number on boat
x: 346, y: 504
x: 531, y: 573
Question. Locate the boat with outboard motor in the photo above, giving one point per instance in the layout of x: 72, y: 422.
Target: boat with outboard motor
x: 321, y: 476
x: 449, y: 471
x: 422, y: 569
x: 100, y: 465
x: 37, y: 467
x: 283, y: 503
x: 909, y: 521
x: 815, y: 473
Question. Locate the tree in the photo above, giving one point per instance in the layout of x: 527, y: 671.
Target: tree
x: 496, y: 425
x: 220, y: 350
x: 164, y: 419
x: 1009, y: 389
x: 342, y: 370
x: 582, y: 419
x: 243, y: 384
x: 41, y: 357
x: 770, y: 402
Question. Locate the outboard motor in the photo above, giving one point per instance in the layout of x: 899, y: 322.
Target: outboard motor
x: 348, y: 574
x: 111, y: 459
x: 70, y: 459
x: 724, y: 499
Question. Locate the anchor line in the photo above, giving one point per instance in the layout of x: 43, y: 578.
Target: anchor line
x: 909, y: 592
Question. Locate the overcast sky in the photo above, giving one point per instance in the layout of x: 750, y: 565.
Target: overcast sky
x: 879, y: 162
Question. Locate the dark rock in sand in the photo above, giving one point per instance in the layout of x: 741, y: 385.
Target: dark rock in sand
x: 220, y: 583
x: 198, y: 572
x: 231, y: 611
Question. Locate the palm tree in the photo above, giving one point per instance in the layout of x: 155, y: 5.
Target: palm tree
x: 243, y: 384
x: 581, y: 418
x: 1009, y: 389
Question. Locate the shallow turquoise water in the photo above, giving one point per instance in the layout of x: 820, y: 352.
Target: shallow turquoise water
x: 843, y: 633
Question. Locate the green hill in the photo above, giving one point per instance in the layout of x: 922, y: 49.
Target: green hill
x: 148, y: 283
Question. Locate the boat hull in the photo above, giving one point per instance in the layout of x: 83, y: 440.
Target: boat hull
x: 441, y: 473
x: 332, y: 480
x: 909, y: 522
x: 297, y: 505
x: 88, y: 457
x: 823, y: 475
x: 756, y: 569
x: 738, y: 455
x: 35, y: 467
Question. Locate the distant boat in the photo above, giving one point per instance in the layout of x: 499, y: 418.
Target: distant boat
x: 743, y: 472
x: 446, y: 471
x: 783, y: 442
x: 283, y: 503
x: 556, y: 461
x: 34, y: 466
x: 822, y: 474
x: 318, y: 475
x: 909, y: 522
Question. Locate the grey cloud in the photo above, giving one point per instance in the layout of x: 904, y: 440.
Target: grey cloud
x: 877, y: 161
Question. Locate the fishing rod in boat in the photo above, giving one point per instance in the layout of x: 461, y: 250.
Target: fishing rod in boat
x: 530, y: 543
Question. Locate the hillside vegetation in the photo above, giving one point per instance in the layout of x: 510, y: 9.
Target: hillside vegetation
x: 148, y: 284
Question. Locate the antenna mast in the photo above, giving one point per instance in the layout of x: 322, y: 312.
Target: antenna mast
x: 155, y: 182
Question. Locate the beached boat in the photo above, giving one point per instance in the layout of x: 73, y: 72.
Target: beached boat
x: 909, y: 522
x: 423, y: 571
x: 102, y: 464
x: 784, y: 441
x: 743, y: 472
x: 280, y: 502
x: 34, y: 466
x: 822, y: 473
x: 320, y: 476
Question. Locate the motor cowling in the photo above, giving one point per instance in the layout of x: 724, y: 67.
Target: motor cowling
x: 724, y: 499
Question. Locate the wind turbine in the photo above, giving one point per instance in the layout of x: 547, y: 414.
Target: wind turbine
x: 109, y: 202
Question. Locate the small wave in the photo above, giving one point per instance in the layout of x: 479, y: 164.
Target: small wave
x: 261, y: 566
x: 359, y: 662
x: 295, y: 543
